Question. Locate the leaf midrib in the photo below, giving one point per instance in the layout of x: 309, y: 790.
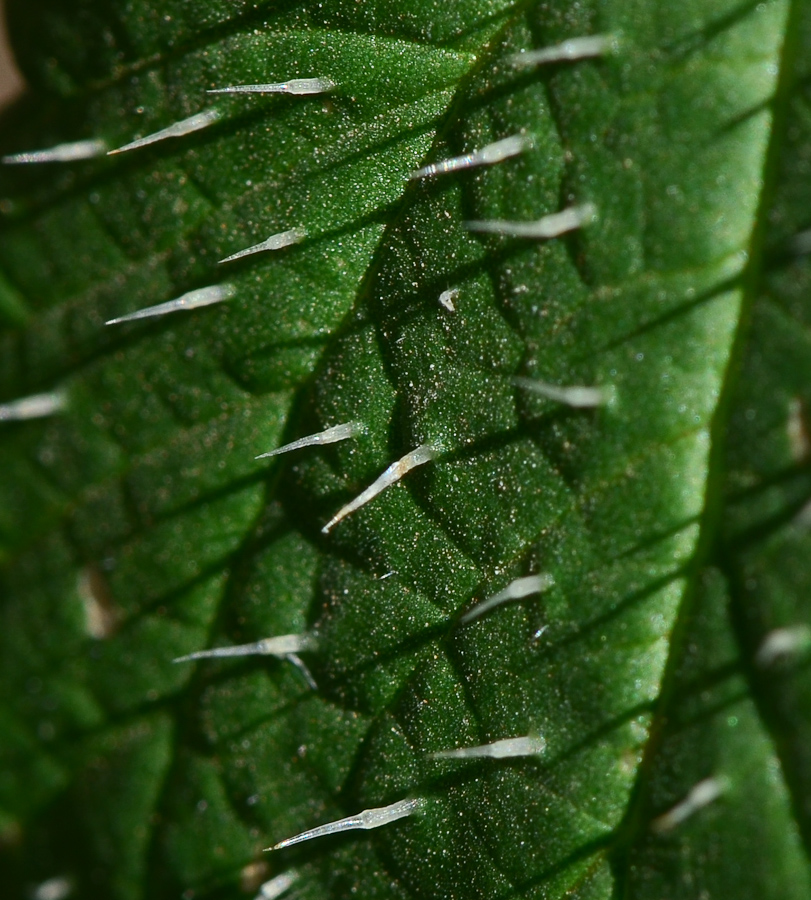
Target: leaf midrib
x: 708, y: 548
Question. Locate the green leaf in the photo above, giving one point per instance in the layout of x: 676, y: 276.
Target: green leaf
x: 136, y: 526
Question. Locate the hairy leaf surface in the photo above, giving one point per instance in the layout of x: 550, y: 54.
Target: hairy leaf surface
x: 136, y: 526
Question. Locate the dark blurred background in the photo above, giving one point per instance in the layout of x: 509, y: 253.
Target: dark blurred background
x: 10, y: 81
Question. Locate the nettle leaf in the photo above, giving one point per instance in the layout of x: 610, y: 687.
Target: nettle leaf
x: 588, y: 557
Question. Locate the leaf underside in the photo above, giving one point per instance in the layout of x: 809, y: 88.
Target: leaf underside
x: 137, y: 526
